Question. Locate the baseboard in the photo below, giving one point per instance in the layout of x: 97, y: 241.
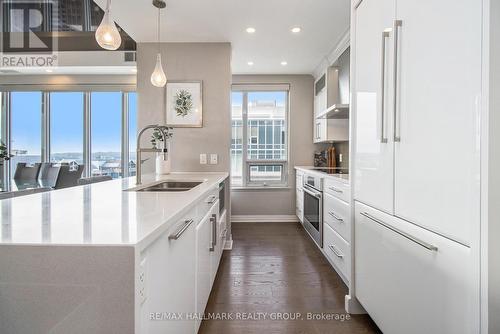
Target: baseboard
x: 228, y: 245
x: 264, y: 219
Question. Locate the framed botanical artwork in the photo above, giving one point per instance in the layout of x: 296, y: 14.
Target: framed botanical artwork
x: 184, y: 104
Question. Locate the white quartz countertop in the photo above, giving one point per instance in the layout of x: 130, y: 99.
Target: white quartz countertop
x: 100, y: 213
x: 343, y: 177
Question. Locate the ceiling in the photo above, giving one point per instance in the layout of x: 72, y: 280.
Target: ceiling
x: 323, y: 24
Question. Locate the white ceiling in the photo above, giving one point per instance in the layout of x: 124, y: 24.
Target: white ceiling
x: 323, y: 23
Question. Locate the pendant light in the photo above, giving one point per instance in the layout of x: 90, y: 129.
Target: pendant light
x: 158, y: 78
x: 107, y: 34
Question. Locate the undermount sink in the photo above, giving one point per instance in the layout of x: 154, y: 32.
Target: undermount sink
x: 171, y: 186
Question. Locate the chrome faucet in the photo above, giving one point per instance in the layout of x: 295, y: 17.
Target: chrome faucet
x: 163, y: 130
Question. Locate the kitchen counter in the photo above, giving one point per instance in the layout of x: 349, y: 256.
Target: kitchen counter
x: 343, y: 177
x: 101, y: 213
x: 82, y: 259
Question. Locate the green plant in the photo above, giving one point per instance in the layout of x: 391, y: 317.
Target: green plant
x: 157, y: 137
x: 4, y: 154
x: 183, y: 102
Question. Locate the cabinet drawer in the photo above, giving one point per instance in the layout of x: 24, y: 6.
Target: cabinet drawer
x: 336, y: 214
x: 338, y: 251
x: 206, y: 205
x: 338, y: 189
x: 399, y: 274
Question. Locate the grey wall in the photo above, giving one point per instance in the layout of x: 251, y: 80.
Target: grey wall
x: 209, y: 62
x: 282, y: 202
x: 494, y: 175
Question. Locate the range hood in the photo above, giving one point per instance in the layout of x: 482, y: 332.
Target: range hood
x: 336, y: 84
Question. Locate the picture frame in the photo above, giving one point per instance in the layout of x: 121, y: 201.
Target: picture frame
x: 184, y: 103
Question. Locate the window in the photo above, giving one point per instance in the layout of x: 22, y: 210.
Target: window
x: 259, y: 137
x: 132, y: 132
x: 66, y: 127
x: 106, y: 116
x: 26, y: 128
x: 84, y: 128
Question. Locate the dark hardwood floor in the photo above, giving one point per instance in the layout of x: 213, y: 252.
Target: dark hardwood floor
x: 275, y: 269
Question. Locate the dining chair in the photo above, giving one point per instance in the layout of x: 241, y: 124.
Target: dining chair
x: 48, y: 174
x: 68, y: 177
x: 94, y: 179
x: 25, y: 173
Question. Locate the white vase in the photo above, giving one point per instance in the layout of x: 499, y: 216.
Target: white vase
x: 163, y: 161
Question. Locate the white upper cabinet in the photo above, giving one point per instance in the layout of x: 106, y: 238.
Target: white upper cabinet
x: 437, y: 115
x: 374, y: 150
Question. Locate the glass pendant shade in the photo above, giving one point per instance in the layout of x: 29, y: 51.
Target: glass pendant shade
x: 107, y: 34
x: 158, y: 78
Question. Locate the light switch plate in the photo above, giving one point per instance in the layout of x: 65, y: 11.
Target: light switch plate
x: 203, y: 159
x: 213, y: 159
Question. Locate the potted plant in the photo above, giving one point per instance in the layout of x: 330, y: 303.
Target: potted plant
x: 4, y: 156
x: 163, y: 161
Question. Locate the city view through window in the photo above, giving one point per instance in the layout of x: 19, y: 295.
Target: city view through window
x: 68, y: 126
x: 264, y: 119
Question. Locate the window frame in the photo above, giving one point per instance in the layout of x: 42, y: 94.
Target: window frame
x: 6, y: 117
x: 246, y: 182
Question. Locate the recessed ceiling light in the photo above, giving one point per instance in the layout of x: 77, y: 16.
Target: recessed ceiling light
x: 48, y: 70
x: 250, y: 63
x: 284, y: 63
x: 250, y: 30
x: 296, y: 30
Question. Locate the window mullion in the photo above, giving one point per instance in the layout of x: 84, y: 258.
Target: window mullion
x: 45, y: 140
x: 125, y: 135
x: 244, y: 164
x: 87, y: 158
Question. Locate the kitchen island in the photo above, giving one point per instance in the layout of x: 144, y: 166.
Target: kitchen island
x: 103, y: 258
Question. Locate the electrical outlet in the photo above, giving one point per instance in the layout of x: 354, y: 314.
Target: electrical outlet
x: 203, y: 159
x: 141, y: 284
x: 213, y: 159
x: 340, y: 157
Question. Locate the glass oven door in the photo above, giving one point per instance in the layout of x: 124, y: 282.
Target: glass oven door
x: 313, y: 220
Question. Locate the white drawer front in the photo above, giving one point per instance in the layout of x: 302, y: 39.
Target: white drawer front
x: 338, y: 189
x: 398, y: 276
x: 336, y: 213
x: 337, y: 250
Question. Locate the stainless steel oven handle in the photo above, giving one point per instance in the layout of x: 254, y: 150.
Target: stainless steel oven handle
x: 312, y: 192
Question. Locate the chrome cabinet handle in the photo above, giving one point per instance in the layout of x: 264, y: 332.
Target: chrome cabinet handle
x: 213, y: 242
x: 331, y: 213
x: 397, y: 25
x: 403, y: 234
x: 383, y: 138
x: 181, y: 230
x: 336, y: 190
x: 336, y: 252
x: 211, y: 199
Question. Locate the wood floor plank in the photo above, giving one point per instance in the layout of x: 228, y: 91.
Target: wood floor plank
x: 275, y: 269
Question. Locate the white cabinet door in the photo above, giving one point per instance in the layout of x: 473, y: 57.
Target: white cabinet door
x: 374, y: 149
x: 407, y: 288
x: 170, y: 279
x: 203, y: 265
x: 438, y: 107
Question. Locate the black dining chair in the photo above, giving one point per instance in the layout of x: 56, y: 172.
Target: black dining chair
x: 25, y: 173
x: 48, y: 174
x: 68, y: 177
